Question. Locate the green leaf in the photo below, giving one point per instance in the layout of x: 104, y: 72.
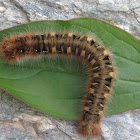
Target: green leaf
x: 56, y: 85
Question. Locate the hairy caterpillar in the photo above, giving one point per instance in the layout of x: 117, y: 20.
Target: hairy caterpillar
x: 84, y: 48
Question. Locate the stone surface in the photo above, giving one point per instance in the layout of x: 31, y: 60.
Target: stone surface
x: 124, y: 13
x: 19, y: 121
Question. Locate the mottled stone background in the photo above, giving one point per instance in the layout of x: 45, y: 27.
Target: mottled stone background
x: 20, y: 122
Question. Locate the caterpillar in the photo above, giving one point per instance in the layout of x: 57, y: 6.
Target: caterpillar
x: 101, y: 71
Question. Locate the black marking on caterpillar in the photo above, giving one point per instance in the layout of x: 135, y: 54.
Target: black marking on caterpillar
x: 96, y: 57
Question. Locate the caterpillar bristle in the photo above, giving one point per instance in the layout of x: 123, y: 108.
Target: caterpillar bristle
x: 101, y: 71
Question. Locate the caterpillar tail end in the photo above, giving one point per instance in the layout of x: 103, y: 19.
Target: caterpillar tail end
x: 89, y: 132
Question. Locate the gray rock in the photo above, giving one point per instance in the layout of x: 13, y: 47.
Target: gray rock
x: 19, y: 121
x: 124, y: 13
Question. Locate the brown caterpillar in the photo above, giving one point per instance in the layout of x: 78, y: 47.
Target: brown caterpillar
x: 101, y: 72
